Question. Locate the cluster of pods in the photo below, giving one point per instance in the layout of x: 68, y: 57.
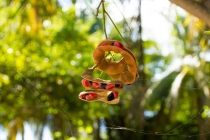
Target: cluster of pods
x: 122, y: 72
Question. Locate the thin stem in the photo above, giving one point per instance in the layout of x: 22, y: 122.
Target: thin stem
x: 116, y: 27
x: 104, y: 19
x: 97, y: 9
x: 123, y: 18
x: 96, y: 65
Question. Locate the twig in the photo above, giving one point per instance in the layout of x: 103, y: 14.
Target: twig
x: 195, y: 8
x: 97, y: 9
x: 104, y: 19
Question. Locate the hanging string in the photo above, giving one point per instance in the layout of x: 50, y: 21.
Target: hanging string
x: 104, y: 25
x: 104, y: 18
x: 104, y: 12
x: 126, y: 23
x: 130, y: 31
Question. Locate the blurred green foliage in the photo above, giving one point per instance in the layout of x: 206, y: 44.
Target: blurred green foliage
x: 180, y: 99
x: 45, y: 49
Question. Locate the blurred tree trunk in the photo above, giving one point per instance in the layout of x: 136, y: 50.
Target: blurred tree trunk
x: 203, y: 123
x: 196, y: 8
x: 96, y: 132
x: 136, y: 111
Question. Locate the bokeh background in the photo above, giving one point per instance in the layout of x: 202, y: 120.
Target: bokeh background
x: 46, y: 45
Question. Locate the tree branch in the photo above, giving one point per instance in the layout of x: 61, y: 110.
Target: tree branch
x: 194, y: 8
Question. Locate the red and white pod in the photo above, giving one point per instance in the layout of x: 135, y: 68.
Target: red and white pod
x: 101, y: 85
x: 124, y: 70
x: 109, y: 97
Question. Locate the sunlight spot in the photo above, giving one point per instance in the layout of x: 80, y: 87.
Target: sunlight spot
x: 28, y: 59
x: 19, y: 87
x: 3, y: 4
x: 28, y: 28
x: 10, y: 50
x: 89, y: 129
x: 5, y: 79
x: 78, y: 56
x: 80, y: 122
x: 48, y: 71
x: 46, y: 60
x: 65, y: 5
x: 47, y: 104
x: 72, y: 138
x: 59, y: 81
x: 65, y: 8
x: 191, y: 60
x: 46, y: 23
x: 73, y: 62
x: 141, y: 67
x: 48, y: 43
x: 38, y: 68
x: 17, y: 53
x: 205, y: 56
x: 28, y: 6
x: 206, y: 112
x: 80, y: 129
x: 80, y: 5
x: 149, y: 91
x: 57, y: 134
x: 60, y: 60
x: 129, y: 96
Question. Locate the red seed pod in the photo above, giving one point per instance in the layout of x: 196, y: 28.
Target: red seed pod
x: 115, y: 94
x: 119, y: 85
x: 104, y: 44
x: 91, y: 96
x: 83, y: 96
x: 118, y: 44
x: 96, y: 85
x: 88, y: 97
x: 110, y: 86
x: 85, y: 83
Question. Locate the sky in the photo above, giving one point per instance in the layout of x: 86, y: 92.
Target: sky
x: 155, y: 27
